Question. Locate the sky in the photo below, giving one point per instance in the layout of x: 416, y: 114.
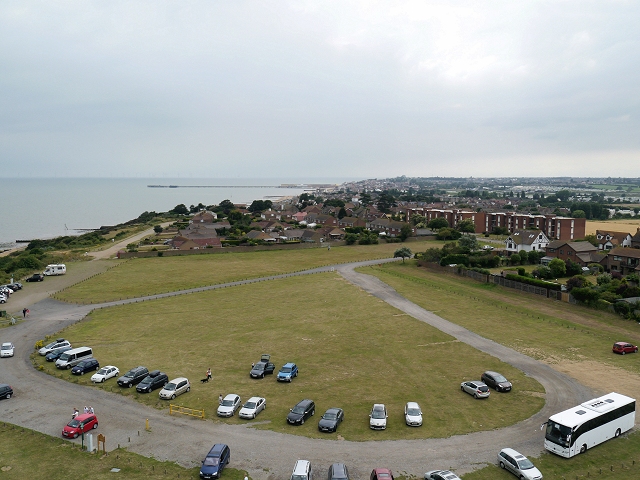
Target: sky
x: 309, y: 89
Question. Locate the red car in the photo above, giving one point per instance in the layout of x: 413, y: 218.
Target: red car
x: 624, y: 347
x: 381, y: 474
x: 82, y: 423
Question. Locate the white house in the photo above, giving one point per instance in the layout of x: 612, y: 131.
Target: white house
x: 608, y: 240
x: 526, y: 241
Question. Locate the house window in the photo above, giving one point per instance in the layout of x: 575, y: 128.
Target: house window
x: 617, y: 258
x: 561, y: 251
x: 569, y: 252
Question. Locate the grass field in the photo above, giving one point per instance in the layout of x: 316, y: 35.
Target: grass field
x: 628, y: 225
x: 148, y: 276
x: 543, y: 329
x: 615, y: 459
x: 351, y: 348
x: 28, y: 454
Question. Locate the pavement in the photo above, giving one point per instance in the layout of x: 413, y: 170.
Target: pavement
x: 44, y: 403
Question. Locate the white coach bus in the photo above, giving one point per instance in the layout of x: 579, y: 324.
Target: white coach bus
x: 589, y: 424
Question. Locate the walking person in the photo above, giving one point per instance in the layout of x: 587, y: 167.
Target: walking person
x: 24, y: 313
x: 75, y: 413
x: 91, y: 410
x: 209, y: 374
x: 86, y: 409
x: 220, y: 399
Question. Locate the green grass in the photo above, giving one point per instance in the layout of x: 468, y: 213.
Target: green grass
x: 615, y: 459
x: 544, y: 329
x: 148, y: 276
x: 351, y: 348
x: 25, y: 453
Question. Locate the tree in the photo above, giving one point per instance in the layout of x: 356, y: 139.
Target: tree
x: 180, y: 209
x: 579, y: 214
x: 403, y: 252
x: 260, y: 206
x: 466, y: 226
x: 468, y: 243
x: 437, y: 223
x: 385, y: 202
x: 351, y: 238
x: 558, y: 268
x: 515, y: 259
x: 448, y: 234
x: 226, y: 206
x: 577, y: 281
x: 158, y: 229
x: 573, y: 268
x: 365, y: 199
x: 342, y: 213
x: 405, y: 232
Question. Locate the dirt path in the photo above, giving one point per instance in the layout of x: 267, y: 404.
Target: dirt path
x: 44, y: 403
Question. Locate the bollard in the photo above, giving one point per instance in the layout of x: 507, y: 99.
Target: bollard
x: 147, y: 424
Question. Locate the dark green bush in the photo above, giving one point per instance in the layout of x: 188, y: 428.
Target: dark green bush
x: 534, y: 282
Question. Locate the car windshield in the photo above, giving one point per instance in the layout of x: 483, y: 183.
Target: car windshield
x: 557, y: 433
x: 378, y: 413
x: 250, y: 405
x: 525, y: 464
x: 483, y: 388
x: 285, y: 370
x: 146, y: 380
x: 211, y: 461
x: 130, y: 374
x: 298, y: 477
x: 414, y: 412
x: 298, y: 409
x: 330, y: 416
x: 170, y: 386
x: 500, y: 379
x: 259, y: 366
x: 227, y: 403
x: 6, y: 347
x: 51, y: 345
x: 64, y: 357
x: 73, y: 423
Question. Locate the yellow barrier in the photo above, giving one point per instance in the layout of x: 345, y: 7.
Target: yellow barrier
x: 186, y: 411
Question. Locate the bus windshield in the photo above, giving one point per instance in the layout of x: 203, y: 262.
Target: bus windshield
x: 559, y: 434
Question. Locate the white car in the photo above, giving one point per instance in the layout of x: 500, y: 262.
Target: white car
x: 105, y: 373
x: 440, y: 475
x: 253, y: 407
x: 412, y: 414
x: 3, y: 298
x: 518, y: 464
x: 378, y: 417
x: 6, y: 350
x: 175, y: 387
x: 58, y: 343
x: 229, y: 405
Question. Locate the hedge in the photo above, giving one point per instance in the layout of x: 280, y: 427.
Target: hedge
x: 533, y: 281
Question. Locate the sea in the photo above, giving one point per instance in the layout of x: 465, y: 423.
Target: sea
x: 41, y: 208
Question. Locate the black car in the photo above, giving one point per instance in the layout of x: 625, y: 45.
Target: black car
x: 303, y: 410
x: 5, y: 390
x: 338, y: 471
x: 330, y: 420
x: 261, y: 369
x: 496, y: 381
x: 53, y: 355
x: 36, y: 277
x: 15, y: 286
x: 86, y: 366
x: 155, y: 379
x: 133, y: 377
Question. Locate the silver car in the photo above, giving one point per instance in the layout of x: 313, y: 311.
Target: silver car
x: 229, y: 405
x: 412, y: 414
x: 518, y: 464
x: 174, y: 388
x: 60, y: 342
x: 476, y: 388
x: 253, y: 407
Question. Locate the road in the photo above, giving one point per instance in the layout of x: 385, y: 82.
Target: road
x: 44, y: 403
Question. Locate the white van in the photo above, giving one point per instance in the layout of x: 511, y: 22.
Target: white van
x: 73, y: 357
x: 302, y: 470
x: 55, y: 269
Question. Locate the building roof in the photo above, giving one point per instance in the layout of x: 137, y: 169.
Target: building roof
x: 625, y: 252
x: 526, y: 237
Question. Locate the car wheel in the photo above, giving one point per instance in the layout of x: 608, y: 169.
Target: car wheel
x: 75, y: 435
x: 618, y: 432
x: 188, y: 388
x: 635, y: 351
x: 583, y: 448
x: 82, y: 372
x: 95, y: 425
x: 475, y: 395
x: 102, y: 381
x: 302, y: 422
x: 8, y: 396
x: 173, y: 397
x: 313, y: 412
x: 254, y: 415
x: 502, y: 465
x: 623, y: 352
x: 130, y: 385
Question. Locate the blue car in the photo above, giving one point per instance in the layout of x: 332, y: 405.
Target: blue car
x: 86, y: 366
x: 287, y: 372
x: 55, y: 354
x: 215, y: 461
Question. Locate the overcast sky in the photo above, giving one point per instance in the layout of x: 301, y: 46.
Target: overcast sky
x: 366, y: 89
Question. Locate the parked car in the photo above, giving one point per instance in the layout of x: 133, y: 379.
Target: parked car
x: 338, y: 471
x: 230, y: 403
x: 3, y: 298
x: 105, y: 373
x: 54, y: 355
x: 5, y: 391
x: 624, y: 347
x: 287, y: 373
x: 6, y: 350
x: 85, y: 366
x: 496, y: 381
x: 6, y: 290
x: 156, y: 379
x: 36, y: 277
x: 263, y: 367
x: 302, y: 470
x: 58, y: 343
x: 378, y: 417
x: 133, y: 377
x: 175, y: 387
x: 253, y: 407
x: 412, y: 414
x: 518, y: 464
x: 15, y: 286
x: 381, y: 474
x: 331, y: 419
x: 476, y: 388
x: 213, y: 464
x: 81, y: 424
x: 303, y: 410
x: 441, y: 475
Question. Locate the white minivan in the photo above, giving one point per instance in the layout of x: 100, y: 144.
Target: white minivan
x: 302, y: 470
x: 72, y: 357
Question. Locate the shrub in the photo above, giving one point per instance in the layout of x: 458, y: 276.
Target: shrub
x: 577, y: 281
x: 623, y: 309
x: 603, y: 279
x: 455, y: 258
x: 558, y: 268
x: 521, y: 272
x: 514, y: 259
x: 534, y: 282
x: 572, y: 268
x: 602, y: 304
x: 586, y: 295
